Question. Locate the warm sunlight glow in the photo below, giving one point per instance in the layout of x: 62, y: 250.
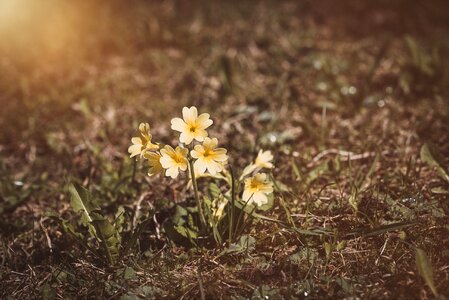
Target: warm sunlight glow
x: 45, y: 32
x: 10, y: 10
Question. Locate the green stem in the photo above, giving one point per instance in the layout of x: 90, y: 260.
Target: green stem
x: 133, y: 176
x: 231, y: 223
x: 241, y: 214
x: 199, y: 203
x: 244, y: 225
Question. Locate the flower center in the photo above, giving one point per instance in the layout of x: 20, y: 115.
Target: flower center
x: 178, y: 158
x: 255, y: 186
x: 206, y: 153
x: 192, y: 128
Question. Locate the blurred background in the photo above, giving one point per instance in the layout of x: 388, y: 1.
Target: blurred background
x: 57, y: 53
x: 70, y: 65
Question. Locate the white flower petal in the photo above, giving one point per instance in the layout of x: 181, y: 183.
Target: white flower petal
x: 210, y: 143
x: 144, y: 127
x: 260, y: 177
x: 194, y: 112
x: 168, y: 150
x: 203, y: 121
x: 134, y: 150
x: 167, y: 162
x: 200, y: 135
x: 246, y: 195
x: 182, y: 166
x: 186, y: 137
x: 172, y: 172
x: 200, y: 166
x: 216, y: 168
x: 220, y: 150
x: 178, y: 124
x: 263, y: 159
x: 260, y: 198
x: 195, y: 154
x: 137, y: 141
x: 221, y: 157
x: 189, y: 114
x: 182, y: 151
x: 267, y: 188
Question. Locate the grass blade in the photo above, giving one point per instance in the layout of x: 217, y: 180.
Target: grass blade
x: 381, y: 229
x: 430, y: 158
x: 425, y: 269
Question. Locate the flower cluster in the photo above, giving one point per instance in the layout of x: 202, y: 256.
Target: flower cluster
x: 192, y: 127
x: 200, y: 152
x: 142, y: 143
x: 258, y: 187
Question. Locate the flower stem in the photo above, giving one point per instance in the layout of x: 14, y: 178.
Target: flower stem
x: 199, y: 203
x: 231, y: 223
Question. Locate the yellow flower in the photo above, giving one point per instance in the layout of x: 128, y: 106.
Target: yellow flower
x: 173, y: 160
x: 257, y: 189
x: 193, y: 126
x: 153, y: 162
x: 264, y: 160
x: 209, y: 157
x: 218, y: 209
x: 143, y: 143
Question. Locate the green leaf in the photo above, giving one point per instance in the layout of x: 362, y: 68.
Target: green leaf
x: 246, y: 243
x: 186, y: 232
x: 182, y: 227
x: 180, y: 234
x: 99, y: 226
x: 108, y: 237
x: 82, y: 203
x: 135, y: 235
x: 214, y: 191
x: 317, y: 172
x: 179, y: 216
x: 304, y: 256
x: 119, y: 221
x: 381, y: 229
x: 70, y: 229
x: 425, y: 269
x: 129, y: 273
x: 429, y: 156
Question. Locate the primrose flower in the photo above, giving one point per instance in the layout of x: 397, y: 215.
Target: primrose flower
x: 264, y: 159
x: 257, y: 188
x: 173, y: 160
x: 153, y: 162
x: 191, y: 126
x: 218, y: 211
x: 143, y: 143
x: 209, y: 157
